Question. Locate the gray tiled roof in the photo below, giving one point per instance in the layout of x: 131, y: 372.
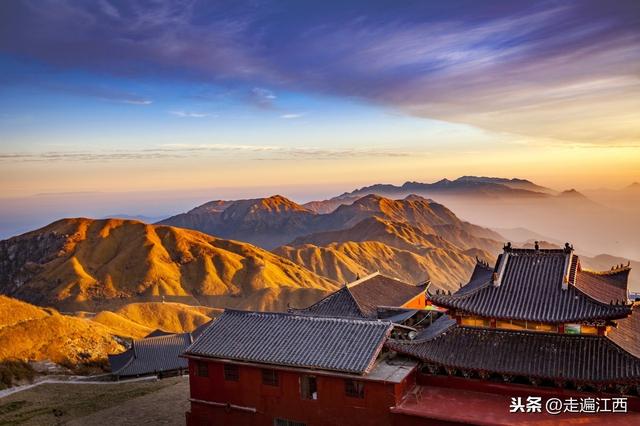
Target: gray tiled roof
x: 379, y: 290
x: 338, y: 304
x: 396, y: 315
x: 118, y: 361
x: 158, y: 332
x: 604, y: 286
x: 481, y: 276
x: 578, y: 358
x: 327, y: 343
x: 362, y: 298
x: 151, y: 355
x: 531, y: 289
x: 626, y: 334
x: 438, y: 327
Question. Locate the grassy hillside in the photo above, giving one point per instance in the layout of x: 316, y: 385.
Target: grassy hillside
x: 173, y: 317
x: 84, y: 264
x: 14, y: 311
x: 59, y: 338
x: 35, y: 334
x: 344, y: 262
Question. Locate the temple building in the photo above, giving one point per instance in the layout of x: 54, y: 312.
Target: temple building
x: 158, y: 353
x: 535, y: 325
x: 283, y: 369
x: 374, y: 296
x: 577, y: 325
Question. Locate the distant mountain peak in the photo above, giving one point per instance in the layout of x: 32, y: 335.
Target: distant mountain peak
x: 279, y: 202
x: 369, y: 197
x: 470, y: 178
x: 572, y: 193
x: 416, y: 197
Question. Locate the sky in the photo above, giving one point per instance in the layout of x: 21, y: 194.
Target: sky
x: 308, y: 97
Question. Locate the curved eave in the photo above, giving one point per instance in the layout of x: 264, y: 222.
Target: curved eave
x: 616, y: 311
x: 409, y: 348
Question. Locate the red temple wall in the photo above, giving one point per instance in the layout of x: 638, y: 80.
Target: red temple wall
x: 284, y: 401
x: 515, y: 389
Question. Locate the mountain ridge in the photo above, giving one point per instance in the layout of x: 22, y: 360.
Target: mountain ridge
x: 95, y: 264
x: 401, y: 230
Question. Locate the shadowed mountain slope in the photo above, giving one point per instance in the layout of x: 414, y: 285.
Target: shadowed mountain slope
x: 267, y: 222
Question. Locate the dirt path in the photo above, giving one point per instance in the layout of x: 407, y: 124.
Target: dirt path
x: 160, y: 402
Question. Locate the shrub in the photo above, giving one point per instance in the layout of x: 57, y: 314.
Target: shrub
x: 14, y: 371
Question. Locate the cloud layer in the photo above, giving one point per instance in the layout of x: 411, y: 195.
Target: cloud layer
x: 563, y: 70
x: 169, y: 151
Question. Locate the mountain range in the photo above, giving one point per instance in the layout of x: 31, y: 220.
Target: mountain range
x: 84, y: 264
x: 266, y: 253
x: 473, y: 186
x: 91, y: 265
x: 598, y: 221
x: 413, y: 238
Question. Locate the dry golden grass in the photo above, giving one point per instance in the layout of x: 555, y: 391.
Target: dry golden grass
x: 35, y: 334
x: 13, y: 311
x: 30, y: 333
x: 173, y: 317
x: 344, y: 262
x: 59, y: 338
x: 105, y: 262
x: 122, y: 326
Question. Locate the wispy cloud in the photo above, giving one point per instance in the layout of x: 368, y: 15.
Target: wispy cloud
x: 169, y: 151
x: 187, y: 114
x: 291, y: 116
x: 137, y: 101
x: 262, y: 98
x: 563, y: 70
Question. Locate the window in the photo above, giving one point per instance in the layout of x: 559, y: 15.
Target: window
x: 202, y: 369
x: 231, y: 373
x: 588, y: 329
x: 540, y: 326
x: 270, y: 377
x: 308, y: 387
x: 507, y: 325
x: 483, y: 322
x: 354, y: 388
x: 527, y: 325
x: 467, y: 321
x: 285, y: 422
x: 476, y: 321
x: 519, y: 325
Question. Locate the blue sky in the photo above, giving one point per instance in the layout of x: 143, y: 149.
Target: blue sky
x: 145, y: 95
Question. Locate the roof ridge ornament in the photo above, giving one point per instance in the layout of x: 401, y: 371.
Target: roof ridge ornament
x: 615, y: 269
x: 568, y: 263
x: 482, y: 262
x: 496, y: 278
